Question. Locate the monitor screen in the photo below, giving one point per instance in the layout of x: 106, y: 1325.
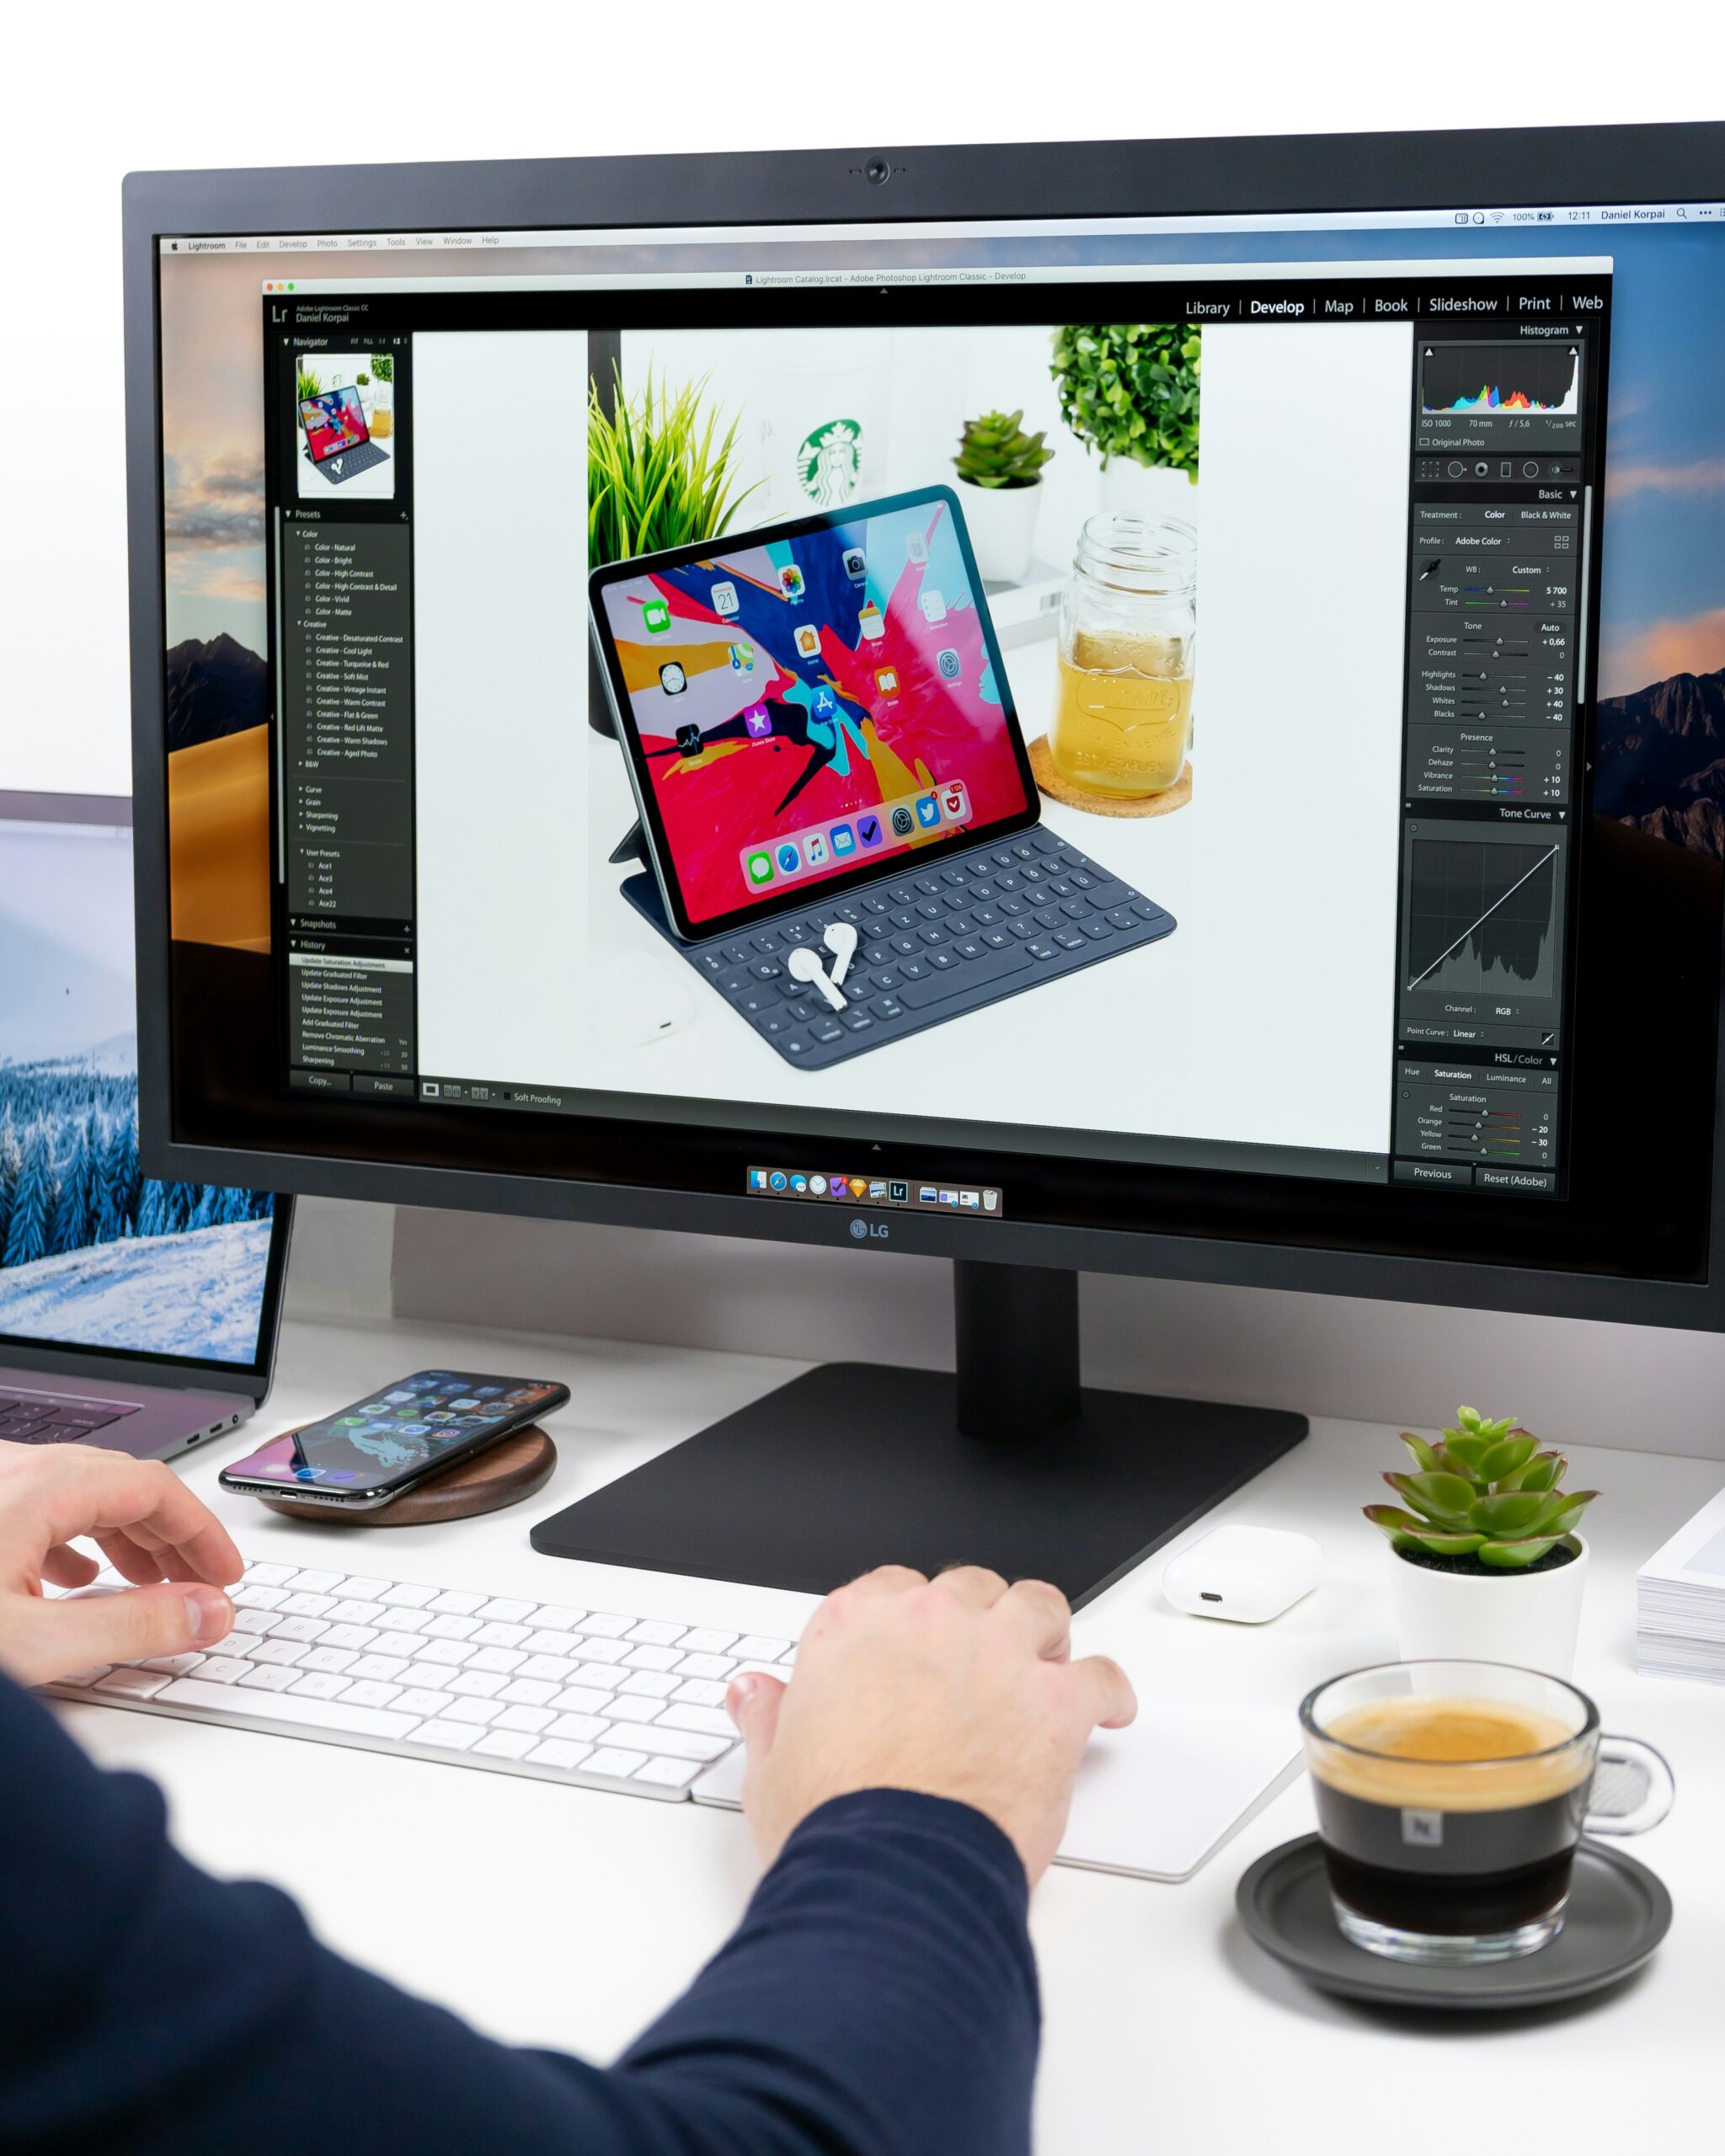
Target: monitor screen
x: 1328, y: 607
x: 93, y: 1255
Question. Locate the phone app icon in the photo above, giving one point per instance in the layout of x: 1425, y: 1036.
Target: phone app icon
x: 842, y: 839
x: 758, y: 868
x: 948, y: 664
x: 904, y: 823
x: 742, y: 658
x: 688, y: 741
x: 927, y: 812
x: 954, y: 805
x: 655, y: 616
x: 934, y: 606
x: 789, y: 857
x: 886, y: 680
x: 757, y: 721
x: 916, y: 546
x: 672, y: 678
x: 724, y: 599
x: 899, y: 1192
x: 814, y: 850
x: 817, y: 1186
x: 823, y: 703
x: 808, y: 641
x: 790, y: 581
x: 872, y: 623
x: 869, y: 830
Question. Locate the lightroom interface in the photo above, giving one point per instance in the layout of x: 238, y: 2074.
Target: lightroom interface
x: 1390, y: 458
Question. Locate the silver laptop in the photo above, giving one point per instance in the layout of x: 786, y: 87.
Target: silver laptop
x: 137, y: 1314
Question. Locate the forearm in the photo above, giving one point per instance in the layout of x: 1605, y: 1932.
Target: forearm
x: 879, y: 1998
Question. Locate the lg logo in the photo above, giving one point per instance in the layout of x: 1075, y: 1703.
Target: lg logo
x: 860, y: 1231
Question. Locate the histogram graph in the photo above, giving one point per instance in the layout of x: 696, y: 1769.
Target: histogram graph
x: 1481, y: 917
x: 1500, y: 378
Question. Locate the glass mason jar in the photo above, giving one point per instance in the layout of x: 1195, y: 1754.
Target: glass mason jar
x: 1128, y: 634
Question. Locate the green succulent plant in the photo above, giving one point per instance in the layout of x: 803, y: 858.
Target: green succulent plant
x: 383, y: 367
x: 996, y: 451
x: 1488, y: 1491
x: 1130, y: 389
x: 308, y: 384
x: 657, y: 473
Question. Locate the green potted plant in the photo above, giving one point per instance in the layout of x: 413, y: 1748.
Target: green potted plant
x: 659, y: 475
x: 999, y: 483
x: 1129, y: 392
x: 1486, y: 1565
x: 381, y: 417
x: 306, y: 384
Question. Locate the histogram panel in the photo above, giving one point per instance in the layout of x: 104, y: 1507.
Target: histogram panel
x: 1500, y: 378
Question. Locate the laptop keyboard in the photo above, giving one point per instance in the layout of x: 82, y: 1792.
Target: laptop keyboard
x: 951, y: 934
x: 41, y: 1418
x: 353, y: 461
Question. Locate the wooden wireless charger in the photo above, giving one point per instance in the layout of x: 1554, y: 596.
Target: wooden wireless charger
x: 504, y: 1473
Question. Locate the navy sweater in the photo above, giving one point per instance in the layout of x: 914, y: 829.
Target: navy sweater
x: 879, y: 1996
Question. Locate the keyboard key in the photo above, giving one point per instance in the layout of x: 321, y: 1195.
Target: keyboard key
x: 598, y: 1676
x: 368, y: 1694
x: 363, y: 1590
x: 705, y: 1665
x: 603, y: 1624
x: 385, y: 1667
x: 548, y: 1642
x: 481, y: 1712
x: 527, y: 1692
x: 552, y: 1617
x: 504, y: 1660
x: 133, y: 1683
x: 348, y: 1611
x: 579, y: 1729
x: 256, y: 1622
x: 172, y: 1665
x: 602, y: 1650
x: 502, y: 1744
x: 581, y: 1700
x: 1096, y: 928
x: 406, y: 1596
x: 307, y: 1605
x: 495, y: 1635
x: 623, y: 1708
x: 444, y: 1736
x: 302, y: 1628
x: 429, y: 1676
x: 450, y: 1628
x: 699, y: 1691
x: 607, y: 1760
x: 447, y: 1654
x: 277, y: 1654
x: 662, y: 1742
x: 760, y: 1647
x: 392, y: 1618
x: 268, y: 1574
x: 705, y: 1722
x: 261, y: 1677
x: 528, y: 1720
x: 556, y: 1752
x: 310, y: 1582
x: 333, y: 1715
x: 338, y: 1660
x: 221, y: 1669
x: 647, y: 1684
x: 552, y: 1669
x: 667, y: 1774
x: 359, y: 1637
x: 504, y: 1612
x: 418, y: 1702
x: 248, y: 1596
x: 319, y: 1684
x: 477, y: 1684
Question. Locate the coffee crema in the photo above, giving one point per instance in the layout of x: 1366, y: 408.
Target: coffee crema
x: 1449, y: 1754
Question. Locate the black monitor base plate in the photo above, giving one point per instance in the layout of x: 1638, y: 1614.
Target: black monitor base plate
x: 852, y: 1466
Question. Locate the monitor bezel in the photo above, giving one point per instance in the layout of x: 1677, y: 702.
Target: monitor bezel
x: 1462, y: 168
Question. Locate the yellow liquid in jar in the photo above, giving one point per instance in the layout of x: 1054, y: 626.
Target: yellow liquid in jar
x: 1124, y: 713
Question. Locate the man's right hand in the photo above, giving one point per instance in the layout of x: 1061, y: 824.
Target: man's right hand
x: 959, y: 1687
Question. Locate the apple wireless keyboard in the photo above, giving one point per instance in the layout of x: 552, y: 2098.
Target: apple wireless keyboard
x: 597, y: 1698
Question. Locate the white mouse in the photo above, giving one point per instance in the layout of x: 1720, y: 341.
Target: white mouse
x: 1247, y: 1574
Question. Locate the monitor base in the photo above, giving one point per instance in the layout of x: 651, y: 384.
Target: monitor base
x: 852, y: 1466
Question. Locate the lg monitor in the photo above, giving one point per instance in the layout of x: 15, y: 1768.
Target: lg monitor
x: 1152, y: 707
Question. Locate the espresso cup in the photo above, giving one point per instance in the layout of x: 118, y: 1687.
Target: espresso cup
x: 1450, y: 1798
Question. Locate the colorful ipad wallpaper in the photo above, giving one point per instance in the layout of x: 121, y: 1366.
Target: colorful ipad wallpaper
x: 332, y: 422
x: 803, y: 705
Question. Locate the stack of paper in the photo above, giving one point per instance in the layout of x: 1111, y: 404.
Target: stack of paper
x: 1679, y: 1615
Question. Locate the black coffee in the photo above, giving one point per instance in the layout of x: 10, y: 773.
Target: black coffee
x: 1454, y: 1823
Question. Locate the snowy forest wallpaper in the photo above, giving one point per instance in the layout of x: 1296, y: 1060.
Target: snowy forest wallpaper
x: 92, y: 1252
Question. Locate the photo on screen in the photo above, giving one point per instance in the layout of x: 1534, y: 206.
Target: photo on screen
x: 345, y: 419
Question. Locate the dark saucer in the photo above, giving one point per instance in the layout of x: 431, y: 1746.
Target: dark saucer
x: 1618, y: 1913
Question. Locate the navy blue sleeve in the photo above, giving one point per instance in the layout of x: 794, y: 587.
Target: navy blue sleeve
x: 878, y: 1999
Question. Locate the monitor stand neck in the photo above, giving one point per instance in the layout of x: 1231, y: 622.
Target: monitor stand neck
x: 1009, y: 1462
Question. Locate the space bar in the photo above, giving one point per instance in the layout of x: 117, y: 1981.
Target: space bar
x: 285, y: 1706
x: 977, y: 973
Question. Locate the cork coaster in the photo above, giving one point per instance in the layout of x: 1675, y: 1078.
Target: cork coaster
x: 512, y: 1469
x: 1106, y: 804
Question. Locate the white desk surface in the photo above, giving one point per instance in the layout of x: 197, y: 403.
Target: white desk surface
x: 573, y: 1917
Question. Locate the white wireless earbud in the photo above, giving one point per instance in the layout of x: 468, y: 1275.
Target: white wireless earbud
x: 805, y: 964
x: 842, y: 941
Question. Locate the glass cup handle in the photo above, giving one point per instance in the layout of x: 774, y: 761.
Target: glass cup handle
x: 1661, y: 1787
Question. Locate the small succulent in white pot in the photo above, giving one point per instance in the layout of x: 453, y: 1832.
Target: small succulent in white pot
x: 1486, y: 1564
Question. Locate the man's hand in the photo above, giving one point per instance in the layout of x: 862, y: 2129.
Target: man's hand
x: 959, y: 1687
x: 150, y: 1528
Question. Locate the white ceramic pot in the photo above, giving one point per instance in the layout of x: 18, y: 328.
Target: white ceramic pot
x: 1001, y: 521
x: 1530, y: 1619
